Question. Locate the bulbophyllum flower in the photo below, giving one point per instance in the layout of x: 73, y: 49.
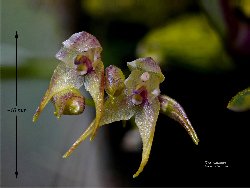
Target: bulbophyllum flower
x: 63, y: 92
x: 81, y: 64
x: 138, y: 96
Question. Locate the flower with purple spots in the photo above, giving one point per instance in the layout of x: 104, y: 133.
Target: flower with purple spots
x: 138, y: 96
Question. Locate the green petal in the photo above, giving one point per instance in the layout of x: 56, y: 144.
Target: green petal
x: 240, y: 102
x: 84, y: 135
x: 146, y: 65
x: 117, y: 109
x: 133, y: 81
x: 63, y: 78
x: 94, y: 84
x: 145, y: 119
x: 174, y: 110
x: 114, y: 80
x: 79, y: 43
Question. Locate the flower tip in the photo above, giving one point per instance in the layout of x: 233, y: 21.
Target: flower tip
x: 68, y: 153
x: 196, y: 141
x: 138, y: 172
x: 57, y: 115
x: 37, y: 114
x: 93, y: 135
x: 135, y: 175
x: 195, y: 138
x: 35, y: 117
x: 231, y: 107
x: 144, y: 161
x: 192, y: 134
x: 65, y: 155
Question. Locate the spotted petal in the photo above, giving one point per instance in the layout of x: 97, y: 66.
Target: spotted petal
x: 94, y: 84
x: 145, y: 120
x: 63, y: 78
x: 79, y: 43
x: 240, y: 102
x: 146, y: 65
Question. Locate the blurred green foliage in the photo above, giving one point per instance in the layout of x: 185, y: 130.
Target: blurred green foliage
x: 173, y: 33
x: 150, y: 13
x: 39, y: 37
x: 241, y: 101
x: 244, y: 5
x: 187, y: 41
x: 41, y: 68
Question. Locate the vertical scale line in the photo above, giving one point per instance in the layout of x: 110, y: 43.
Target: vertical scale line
x: 16, y: 172
x: 16, y: 36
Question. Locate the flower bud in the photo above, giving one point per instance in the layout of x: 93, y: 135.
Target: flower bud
x: 114, y: 80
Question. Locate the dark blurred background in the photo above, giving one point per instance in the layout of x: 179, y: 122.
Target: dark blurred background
x: 203, y: 48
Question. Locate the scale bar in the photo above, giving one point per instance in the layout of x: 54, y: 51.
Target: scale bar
x: 16, y: 36
x: 16, y: 172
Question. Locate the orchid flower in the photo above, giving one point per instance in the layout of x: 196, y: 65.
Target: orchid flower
x: 138, y: 96
x: 80, y: 64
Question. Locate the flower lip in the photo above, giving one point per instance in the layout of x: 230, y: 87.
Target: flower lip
x: 140, y: 95
x: 83, y: 64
